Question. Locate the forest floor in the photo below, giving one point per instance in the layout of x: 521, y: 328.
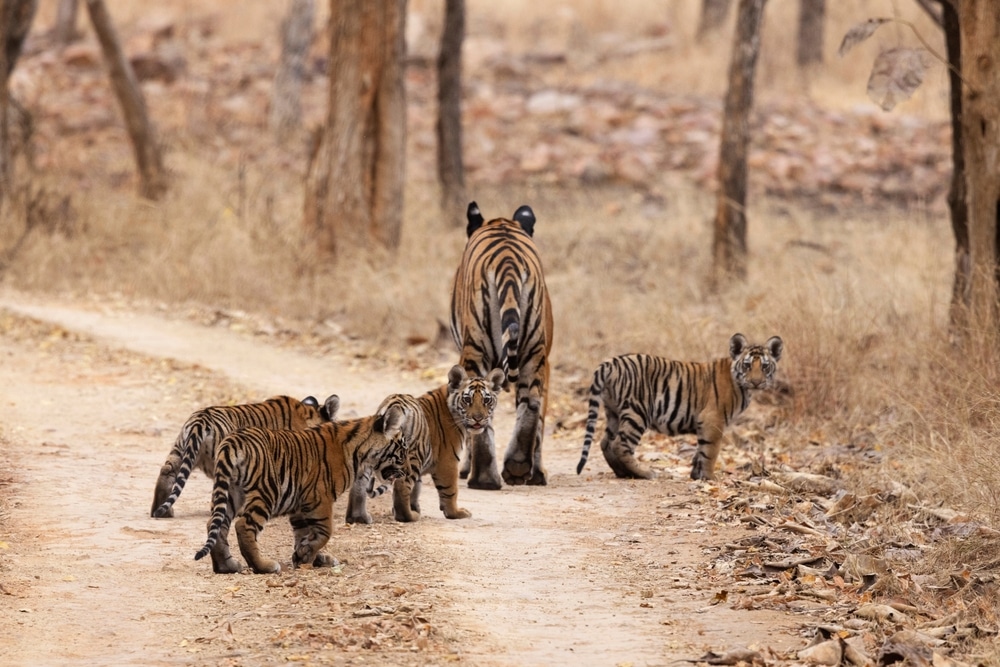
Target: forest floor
x: 589, y: 570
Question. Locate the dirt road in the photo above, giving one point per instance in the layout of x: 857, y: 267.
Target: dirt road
x: 590, y: 570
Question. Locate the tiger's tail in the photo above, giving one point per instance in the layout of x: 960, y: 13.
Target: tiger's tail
x: 224, y: 479
x: 376, y: 491
x: 510, y: 324
x: 188, y: 441
x: 593, y: 408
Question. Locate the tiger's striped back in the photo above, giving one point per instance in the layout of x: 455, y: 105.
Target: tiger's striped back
x: 261, y: 474
x: 204, y: 429
x: 442, y: 419
x: 640, y: 391
x: 501, y: 317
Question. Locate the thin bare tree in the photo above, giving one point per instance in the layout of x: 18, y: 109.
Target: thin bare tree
x: 286, y: 93
x: 451, y: 171
x: 979, y: 35
x: 15, y: 22
x: 729, y: 242
x: 354, y: 183
x: 956, y: 192
x: 812, y: 19
x: 148, y: 158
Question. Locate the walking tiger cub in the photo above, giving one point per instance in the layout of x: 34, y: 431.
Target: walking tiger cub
x: 441, y: 420
x: 261, y: 474
x: 672, y: 397
x: 205, y: 429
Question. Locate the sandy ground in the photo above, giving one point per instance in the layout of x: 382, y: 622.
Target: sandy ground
x: 589, y: 570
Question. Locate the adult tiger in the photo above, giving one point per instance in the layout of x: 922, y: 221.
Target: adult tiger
x: 441, y: 418
x: 501, y: 317
x: 672, y: 397
x: 262, y: 473
x: 205, y: 429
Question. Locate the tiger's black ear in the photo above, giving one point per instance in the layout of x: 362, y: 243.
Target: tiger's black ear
x: 737, y: 344
x: 310, y: 400
x: 525, y: 217
x: 474, y: 217
x: 330, y: 408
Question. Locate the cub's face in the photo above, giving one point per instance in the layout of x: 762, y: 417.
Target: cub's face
x: 754, y: 365
x: 391, y: 462
x: 472, y: 400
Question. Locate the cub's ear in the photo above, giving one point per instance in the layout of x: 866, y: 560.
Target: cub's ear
x: 737, y: 344
x: 525, y: 217
x: 310, y: 400
x: 775, y: 346
x: 392, y: 421
x: 475, y: 218
x: 330, y: 407
x: 456, y: 376
x: 496, y: 378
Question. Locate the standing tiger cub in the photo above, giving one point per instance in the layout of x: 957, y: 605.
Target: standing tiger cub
x: 501, y: 317
x: 205, y: 429
x: 673, y: 397
x: 261, y: 474
x: 441, y: 420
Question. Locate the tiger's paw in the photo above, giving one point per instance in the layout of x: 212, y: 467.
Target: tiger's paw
x: 458, y: 513
x: 489, y: 481
x: 360, y: 517
x: 517, y: 473
x: 325, y: 560
x: 701, y: 468
x: 227, y: 566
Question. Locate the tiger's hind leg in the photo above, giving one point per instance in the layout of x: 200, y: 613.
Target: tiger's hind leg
x: 710, y: 431
x: 165, y: 484
x: 405, y: 495
x: 312, y: 532
x: 620, y: 440
x: 248, y: 525
x: 522, y: 463
x: 223, y: 561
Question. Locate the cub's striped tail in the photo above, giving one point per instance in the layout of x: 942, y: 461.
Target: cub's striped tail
x: 224, y: 467
x: 593, y: 408
x: 192, y: 437
x: 376, y: 491
x: 510, y: 323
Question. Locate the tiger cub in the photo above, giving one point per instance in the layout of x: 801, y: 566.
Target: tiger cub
x: 205, y: 429
x: 261, y: 474
x: 441, y: 419
x: 672, y: 397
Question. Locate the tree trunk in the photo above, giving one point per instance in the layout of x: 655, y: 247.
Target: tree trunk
x: 979, y: 25
x: 152, y: 177
x: 286, y: 93
x: 812, y: 16
x: 713, y: 15
x: 64, y: 28
x: 729, y: 242
x: 354, y: 185
x: 956, y: 192
x: 15, y: 22
x: 449, y: 123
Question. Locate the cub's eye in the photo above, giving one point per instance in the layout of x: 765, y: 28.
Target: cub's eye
x: 765, y: 364
x: 747, y: 362
x: 466, y: 399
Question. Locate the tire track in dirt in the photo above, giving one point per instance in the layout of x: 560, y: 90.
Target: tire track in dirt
x: 537, y: 576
